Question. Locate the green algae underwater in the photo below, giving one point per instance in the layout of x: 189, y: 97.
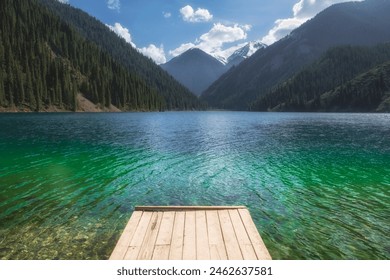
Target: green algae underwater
x: 317, y: 185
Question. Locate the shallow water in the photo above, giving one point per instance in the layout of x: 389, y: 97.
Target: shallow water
x: 317, y: 185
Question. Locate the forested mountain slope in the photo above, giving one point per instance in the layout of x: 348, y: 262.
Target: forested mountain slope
x: 344, y: 78
x: 353, y: 23
x: 175, y: 95
x: 46, y: 64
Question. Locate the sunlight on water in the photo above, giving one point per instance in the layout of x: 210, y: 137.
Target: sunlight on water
x: 317, y: 185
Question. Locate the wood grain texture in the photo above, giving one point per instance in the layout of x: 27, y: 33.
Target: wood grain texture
x: 190, y: 233
x: 258, y: 244
x: 202, y: 239
x: 176, y: 252
x: 244, y: 242
x: 125, y: 239
x: 185, y: 208
x: 166, y: 228
x: 217, y: 244
x: 147, y: 248
x: 229, y: 236
x: 189, y: 245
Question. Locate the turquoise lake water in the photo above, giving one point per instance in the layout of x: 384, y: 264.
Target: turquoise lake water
x: 317, y: 185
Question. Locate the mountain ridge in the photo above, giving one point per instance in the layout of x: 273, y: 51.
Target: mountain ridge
x: 48, y: 65
x: 176, y: 95
x: 330, y: 83
x: 357, y: 23
x: 197, y: 69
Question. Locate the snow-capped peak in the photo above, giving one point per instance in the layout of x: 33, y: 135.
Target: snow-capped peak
x: 238, y: 53
x: 247, y: 50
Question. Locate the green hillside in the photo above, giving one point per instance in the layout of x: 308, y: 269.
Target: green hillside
x: 176, y: 95
x: 364, y: 23
x: 343, y: 79
x: 46, y: 63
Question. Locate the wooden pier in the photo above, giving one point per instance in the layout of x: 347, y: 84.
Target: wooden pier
x: 190, y: 233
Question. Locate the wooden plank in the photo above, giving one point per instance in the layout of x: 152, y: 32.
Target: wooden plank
x: 136, y: 242
x: 176, y: 252
x: 217, y: 246
x: 258, y: 244
x: 191, y: 232
x: 125, y: 239
x: 185, y: 208
x: 229, y: 236
x: 141, y: 229
x: 161, y: 252
x: 246, y: 247
x: 189, y: 244
x: 132, y: 253
x: 147, y: 248
x: 165, y: 233
x: 202, y: 240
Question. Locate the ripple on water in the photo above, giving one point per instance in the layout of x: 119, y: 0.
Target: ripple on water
x: 317, y: 185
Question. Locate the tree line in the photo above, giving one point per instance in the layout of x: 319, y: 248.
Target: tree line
x: 330, y: 83
x: 45, y: 62
x: 176, y: 96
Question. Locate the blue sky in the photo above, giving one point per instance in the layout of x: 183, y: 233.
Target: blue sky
x: 162, y: 29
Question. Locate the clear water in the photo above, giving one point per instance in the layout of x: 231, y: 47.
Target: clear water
x: 317, y: 185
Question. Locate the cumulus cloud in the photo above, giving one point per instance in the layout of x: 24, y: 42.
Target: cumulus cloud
x: 155, y: 53
x: 64, y: 1
x: 183, y: 48
x: 200, y: 15
x: 122, y: 32
x: 114, y: 4
x: 225, y: 53
x: 282, y: 28
x: 212, y: 41
x: 303, y: 10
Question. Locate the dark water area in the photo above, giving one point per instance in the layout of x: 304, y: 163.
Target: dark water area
x: 317, y: 185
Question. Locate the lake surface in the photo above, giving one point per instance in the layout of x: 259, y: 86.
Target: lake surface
x: 317, y: 185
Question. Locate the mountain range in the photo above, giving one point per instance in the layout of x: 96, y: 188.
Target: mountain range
x: 345, y: 78
x: 56, y: 57
x: 197, y: 70
x: 353, y: 23
x: 81, y: 61
x: 243, y: 53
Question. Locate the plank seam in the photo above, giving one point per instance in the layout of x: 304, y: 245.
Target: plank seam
x: 128, y: 245
x: 235, y: 234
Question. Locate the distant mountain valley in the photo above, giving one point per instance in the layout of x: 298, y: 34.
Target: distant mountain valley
x: 197, y: 70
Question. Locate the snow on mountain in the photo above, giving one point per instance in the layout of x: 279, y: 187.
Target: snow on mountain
x: 236, y: 54
x: 244, y: 52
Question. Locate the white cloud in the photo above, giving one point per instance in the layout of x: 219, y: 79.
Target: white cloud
x: 223, y: 54
x: 221, y: 34
x: 213, y: 41
x: 122, y: 32
x: 167, y: 14
x: 114, y: 4
x: 155, y: 53
x: 183, y: 48
x: 282, y: 28
x: 200, y: 15
x: 303, y: 10
x: 64, y: 1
